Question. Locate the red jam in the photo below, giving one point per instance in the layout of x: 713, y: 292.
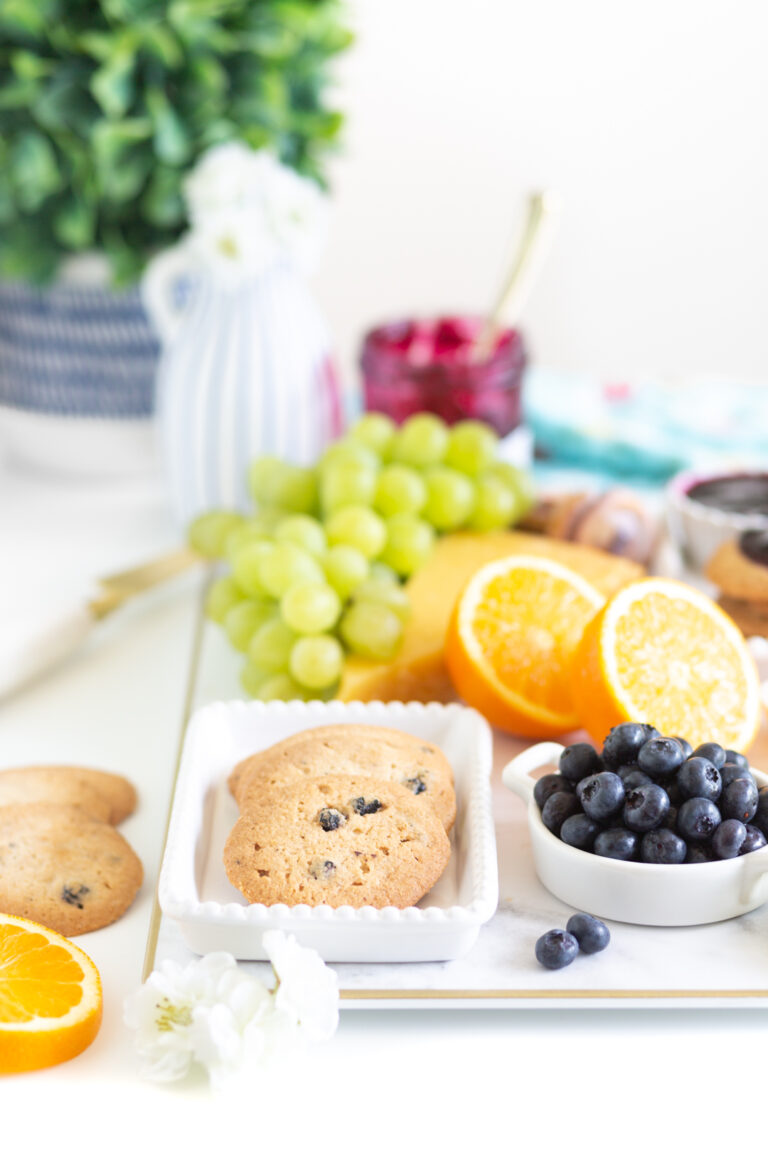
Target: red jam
x: 430, y: 365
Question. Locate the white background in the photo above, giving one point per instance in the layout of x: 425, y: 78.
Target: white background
x: 648, y: 120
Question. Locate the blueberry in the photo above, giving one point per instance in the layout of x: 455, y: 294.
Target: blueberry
x: 558, y: 808
x: 731, y: 771
x: 591, y: 933
x: 760, y: 817
x: 660, y: 756
x: 645, y: 808
x: 672, y: 789
x: 632, y: 777
x: 546, y: 786
x: 662, y: 846
x: 670, y: 820
x: 623, y: 743
x: 579, y: 831
x: 415, y: 784
x: 578, y: 761
x: 699, y: 777
x: 601, y: 796
x: 616, y: 844
x: 330, y: 819
x: 556, y: 948
x: 736, y: 758
x: 711, y: 751
x: 686, y: 747
x: 727, y: 839
x: 365, y: 807
x: 698, y: 854
x: 753, y: 840
x: 697, y: 819
x: 739, y: 801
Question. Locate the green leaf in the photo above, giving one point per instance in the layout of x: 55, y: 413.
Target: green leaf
x: 24, y: 15
x: 35, y: 173
x: 160, y: 43
x: 112, y: 84
x: 172, y: 144
x: 27, y: 66
x: 163, y: 202
x: 75, y: 225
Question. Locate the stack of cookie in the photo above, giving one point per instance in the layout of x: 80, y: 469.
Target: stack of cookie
x: 62, y: 861
x: 342, y: 815
x: 739, y: 568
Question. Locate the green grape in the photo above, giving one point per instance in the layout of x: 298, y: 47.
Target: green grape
x: 311, y: 607
x: 450, y: 498
x: 247, y: 533
x: 246, y: 563
x: 345, y: 568
x: 222, y: 595
x: 284, y: 565
x: 383, y: 573
x: 518, y: 480
x: 471, y: 447
x: 349, y: 452
x: 376, y: 431
x: 276, y: 484
x: 359, y: 527
x: 208, y: 533
x: 421, y: 442
x: 371, y: 630
x: 409, y: 543
x: 317, y: 661
x: 271, y: 644
x: 252, y: 677
x: 303, y: 531
x: 496, y: 506
x: 280, y: 687
x: 394, y: 596
x: 399, y: 489
x: 346, y: 483
x: 244, y: 619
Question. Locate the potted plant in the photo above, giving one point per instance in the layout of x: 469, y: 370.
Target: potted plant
x: 105, y: 106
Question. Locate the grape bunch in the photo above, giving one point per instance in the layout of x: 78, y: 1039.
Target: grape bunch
x: 318, y: 569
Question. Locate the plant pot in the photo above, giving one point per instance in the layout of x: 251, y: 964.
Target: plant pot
x: 77, y: 374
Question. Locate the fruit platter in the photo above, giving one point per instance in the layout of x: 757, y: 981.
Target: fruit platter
x: 414, y: 575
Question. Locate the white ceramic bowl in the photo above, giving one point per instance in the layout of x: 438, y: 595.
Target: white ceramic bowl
x: 636, y: 893
x: 697, y: 529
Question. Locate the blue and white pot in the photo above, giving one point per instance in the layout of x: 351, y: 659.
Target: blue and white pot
x: 77, y: 375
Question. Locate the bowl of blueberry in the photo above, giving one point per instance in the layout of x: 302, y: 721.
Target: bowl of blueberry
x: 615, y: 831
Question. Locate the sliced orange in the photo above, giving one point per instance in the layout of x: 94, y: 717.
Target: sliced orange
x: 50, y: 997
x: 664, y: 653
x: 511, y: 640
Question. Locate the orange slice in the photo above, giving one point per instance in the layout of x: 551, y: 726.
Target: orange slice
x: 663, y: 653
x: 50, y: 997
x: 511, y: 639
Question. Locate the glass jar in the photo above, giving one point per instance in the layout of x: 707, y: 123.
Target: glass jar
x: 429, y: 365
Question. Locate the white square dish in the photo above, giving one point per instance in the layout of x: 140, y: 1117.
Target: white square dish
x: 213, y: 916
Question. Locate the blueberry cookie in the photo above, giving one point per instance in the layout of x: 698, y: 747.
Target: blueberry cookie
x: 354, y: 749
x: 337, y: 840
x: 739, y: 568
x: 64, y: 869
x: 103, y: 795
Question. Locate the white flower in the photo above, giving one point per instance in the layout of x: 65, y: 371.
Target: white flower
x: 217, y: 1015
x: 249, y: 212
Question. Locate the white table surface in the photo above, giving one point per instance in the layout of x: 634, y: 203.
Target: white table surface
x: 458, y: 1076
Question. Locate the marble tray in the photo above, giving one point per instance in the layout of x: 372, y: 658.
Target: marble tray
x: 718, y: 965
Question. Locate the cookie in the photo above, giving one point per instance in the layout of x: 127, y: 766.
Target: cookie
x: 740, y: 567
x: 355, y: 749
x: 104, y: 795
x: 748, y: 615
x: 64, y: 869
x: 337, y: 840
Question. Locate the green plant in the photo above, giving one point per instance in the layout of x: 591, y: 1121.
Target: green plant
x: 106, y: 104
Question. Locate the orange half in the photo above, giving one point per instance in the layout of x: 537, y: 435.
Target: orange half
x: 50, y: 997
x: 511, y: 641
x: 664, y: 653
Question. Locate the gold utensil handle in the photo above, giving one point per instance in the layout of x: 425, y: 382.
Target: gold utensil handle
x: 121, y: 586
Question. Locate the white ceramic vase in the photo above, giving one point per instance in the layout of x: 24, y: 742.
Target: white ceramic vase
x: 245, y: 370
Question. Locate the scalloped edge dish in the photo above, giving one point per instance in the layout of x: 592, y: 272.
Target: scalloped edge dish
x: 193, y: 888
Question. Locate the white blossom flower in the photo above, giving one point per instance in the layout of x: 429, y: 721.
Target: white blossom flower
x: 216, y: 1014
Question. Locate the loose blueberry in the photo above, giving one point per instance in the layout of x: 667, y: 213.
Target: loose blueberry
x: 602, y: 796
x: 556, y: 948
x: 632, y: 777
x: 753, y: 840
x: 698, y: 854
x: 660, y: 757
x: 686, y: 747
x: 736, y: 758
x: 546, y: 786
x: 699, y: 777
x: 623, y: 743
x: 579, y: 831
x: 711, y: 751
x: 558, y: 808
x: 697, y: 819
x: 670, y: 820
x: 662, y: 846
x: 728, y: 838
x: 739, y: 801
x: 578, y: 761
x: 645, y: 808
x: 616, y: 844
x: 592, y: 935
x: 731, y: 771
x: 760, y: 817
